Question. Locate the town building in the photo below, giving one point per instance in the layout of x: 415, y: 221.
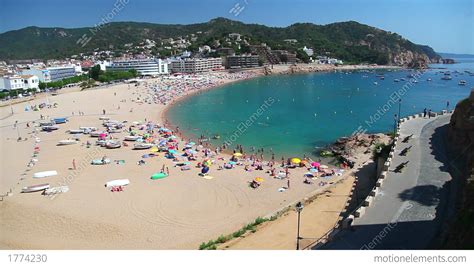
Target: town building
x: 30, y: 82
x: 144, y: 67
x: 61, y: 72
x: 241, y: 61
x: 14, y: 82
x: 196, y: 65
x: 42, y: 74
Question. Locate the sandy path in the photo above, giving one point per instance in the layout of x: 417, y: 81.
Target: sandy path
x: 317, y: 218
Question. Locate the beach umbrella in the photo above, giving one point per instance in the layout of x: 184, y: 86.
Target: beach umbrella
x: 191, y: 143
x: 171, y: 151
x: 238, y: 154
x: 315, y: 164
x: 204, y: 170
x: 232, y: 162
x: 154, y: 149
x: 296, y: 160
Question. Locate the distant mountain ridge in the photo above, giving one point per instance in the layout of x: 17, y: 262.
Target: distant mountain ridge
x: 349, y: 41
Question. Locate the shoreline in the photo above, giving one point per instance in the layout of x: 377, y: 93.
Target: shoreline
x: 282, y: 70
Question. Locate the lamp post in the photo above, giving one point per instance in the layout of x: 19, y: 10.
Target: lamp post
x: 299, y: 207
x: 399, y: 110
x: 395, y: 120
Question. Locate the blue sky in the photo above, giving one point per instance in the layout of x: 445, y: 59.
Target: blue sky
x: 445, y: 25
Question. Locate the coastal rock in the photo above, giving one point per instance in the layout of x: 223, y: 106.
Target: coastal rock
x: 461, y: 142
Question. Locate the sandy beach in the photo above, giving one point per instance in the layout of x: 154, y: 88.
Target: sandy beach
x: 177, y: 212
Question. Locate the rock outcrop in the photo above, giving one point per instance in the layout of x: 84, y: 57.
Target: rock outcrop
x: 461, y: 141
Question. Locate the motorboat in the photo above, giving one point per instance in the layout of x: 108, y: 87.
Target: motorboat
x: 67, y: 142
x: 49, y: 128
x: 112, y: 144
x: 34, y: 188
x: 132, y: 138
x: 142, y: 146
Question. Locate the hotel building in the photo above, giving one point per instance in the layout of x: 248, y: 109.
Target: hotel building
x: 144, y: 67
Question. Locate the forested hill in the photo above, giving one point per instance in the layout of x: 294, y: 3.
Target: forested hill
x: 349, y: 41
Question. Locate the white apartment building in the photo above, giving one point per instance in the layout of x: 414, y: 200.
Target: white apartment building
x: 11, y: 83
x: 144, y: 67
x: 50, y: 74
x: 30, y: 82
x: 196, y: 65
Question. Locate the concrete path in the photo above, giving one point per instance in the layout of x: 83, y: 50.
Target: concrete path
x: 407, y: 211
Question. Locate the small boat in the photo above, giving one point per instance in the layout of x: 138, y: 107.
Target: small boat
x: 376, y: 83
x: 216, y: 137
x: 88, y: 129
x: 60, y: 120
x: 46, y: 124
x: 100, y: 161
x: 56, y: 190
x: 101, y: 142
x: 45, y: 174
x: 75, y: 131
x: 429, y: 79
x: 396, y: 80
x: 49, y: 128
x: 34, y: 188
x: 117, y: 182
x: 142, y: 146
x: 67, y: 142
x: 96, y: 134
x: 132, y: 138
x: 462, y: 83
x: 111, y: 144
x: 447, y: 77
x: 114, y: 130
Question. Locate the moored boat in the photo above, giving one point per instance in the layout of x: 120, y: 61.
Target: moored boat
x: 131, y: 138
x: 462, y: 83
x: 49, y: 128
x: 117, y: 182
x: 45, y: 174
x: 112, y: 144
x: 67, y: 142
x: 142, y: 146
x: 34, y: 188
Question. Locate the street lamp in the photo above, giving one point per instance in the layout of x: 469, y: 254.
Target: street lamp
x: 399, y: 109
x: 395, y: 120
x: 299, y: 207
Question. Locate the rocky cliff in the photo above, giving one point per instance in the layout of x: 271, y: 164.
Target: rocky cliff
x: 461, y: 141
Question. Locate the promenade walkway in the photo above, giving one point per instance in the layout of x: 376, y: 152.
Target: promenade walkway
x: 409, y: 206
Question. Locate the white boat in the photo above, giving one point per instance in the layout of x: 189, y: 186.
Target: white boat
x: 131, y: 138
x: 88, y: 129
x: 75, y: 131
x: 112, y: 144
x: 34, y: 188
x: 96, y: 134
x: 117, y: 182
x: 67, y: 142
x: 56, y: 190
x: 462, y: 83
x: 142, y: 146
x: 45, y: 174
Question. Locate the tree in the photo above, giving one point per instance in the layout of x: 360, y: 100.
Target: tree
x: 95, y: 72
x: 42, y: 86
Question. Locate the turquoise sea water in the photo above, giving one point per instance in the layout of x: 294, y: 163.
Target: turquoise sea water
x: 307, y: 111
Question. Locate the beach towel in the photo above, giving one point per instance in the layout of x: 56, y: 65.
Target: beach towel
x: 208, y: 177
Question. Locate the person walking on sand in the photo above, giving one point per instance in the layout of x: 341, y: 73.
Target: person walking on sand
x: 103, y: 111
x: 288, y: 183
x: 447, y: 106
x: 424, y: 112
x: 74, y: 164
